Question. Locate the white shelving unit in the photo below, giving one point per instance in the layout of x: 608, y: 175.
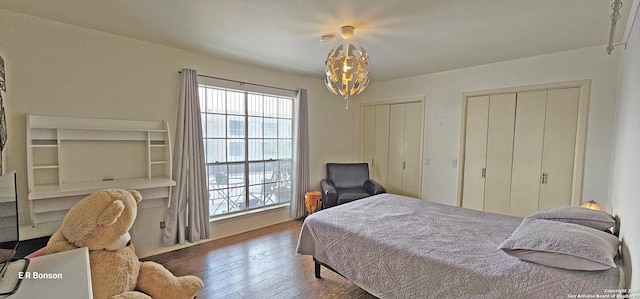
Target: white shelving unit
x: 69, y: 158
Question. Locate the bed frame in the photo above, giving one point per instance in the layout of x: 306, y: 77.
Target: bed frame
x: 317, y: 268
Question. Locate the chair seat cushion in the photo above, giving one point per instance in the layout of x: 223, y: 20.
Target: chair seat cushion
x: 351, y: 194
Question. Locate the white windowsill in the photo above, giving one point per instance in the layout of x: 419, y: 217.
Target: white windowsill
x: 248, y: 212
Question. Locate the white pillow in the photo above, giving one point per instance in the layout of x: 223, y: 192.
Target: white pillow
x: 562, y: 245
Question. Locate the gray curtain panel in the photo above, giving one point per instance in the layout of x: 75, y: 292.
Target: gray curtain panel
x: 300, y: 158
x: 188, y: 213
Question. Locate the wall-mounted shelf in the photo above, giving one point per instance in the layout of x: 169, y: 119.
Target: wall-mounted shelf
x: 69, y: 158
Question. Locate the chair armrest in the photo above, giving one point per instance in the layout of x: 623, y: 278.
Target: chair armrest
x: 374, y: 187
x: 329, y: 194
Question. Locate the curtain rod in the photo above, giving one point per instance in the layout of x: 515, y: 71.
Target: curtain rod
x: 243, y: 83
x: 615, y: 16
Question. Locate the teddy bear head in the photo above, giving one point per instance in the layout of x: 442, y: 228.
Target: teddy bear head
x: 101, y: 219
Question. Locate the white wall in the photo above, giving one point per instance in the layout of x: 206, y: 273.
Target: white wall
x: 58, y: 69
x: 625, y: 167
x: 443, y: 111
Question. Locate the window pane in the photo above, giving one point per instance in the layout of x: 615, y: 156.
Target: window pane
x: 255, y: 149
x: 270, y: 128
x: 285, y: 108
x: 256, y: 104
x: 236, y: 126
x: 284, y: 148
x: 214, y: 100
x: 236, y: 149
x: 270, y: 106
x: 214, y: 126
x: 235, y: 175
x: 236, y: 199
x: 284, y: 128
x: 282, y: 188
x: 256, y: 173
x: 270, y: 149
x: 218, y: 203
x: 215, y: 181
x: 235, y: 102
x: 215, y: 150
x: 256, y: 185
x: 202, y: 96
x: 255, y: 127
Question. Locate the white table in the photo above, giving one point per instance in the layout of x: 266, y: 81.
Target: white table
x: 60, y: 275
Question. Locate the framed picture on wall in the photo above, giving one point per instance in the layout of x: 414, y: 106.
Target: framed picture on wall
x: 3, y: 86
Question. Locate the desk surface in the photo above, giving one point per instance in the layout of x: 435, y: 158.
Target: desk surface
x: 59, y: 275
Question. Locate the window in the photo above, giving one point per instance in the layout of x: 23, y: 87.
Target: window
x: 248, y: 148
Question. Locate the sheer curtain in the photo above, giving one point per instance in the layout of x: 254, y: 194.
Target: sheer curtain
x: 300, y: 157
x: 188, y: 213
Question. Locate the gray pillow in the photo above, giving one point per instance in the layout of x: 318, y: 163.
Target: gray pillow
x: 578, y: 215
x: 562, y: 245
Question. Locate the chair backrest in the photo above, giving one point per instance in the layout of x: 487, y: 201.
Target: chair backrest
x: 348, y: 175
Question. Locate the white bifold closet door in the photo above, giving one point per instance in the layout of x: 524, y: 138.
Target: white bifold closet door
x: 475, y: 154
x: 392, y: 145
x: 559, y: 147
x: 405, y: 152
x: 544, y: 147
x: 499, y: 153
x: 489, y: 149
x: 527, y: 149
x: 375, y: 138
x: 519, y: 151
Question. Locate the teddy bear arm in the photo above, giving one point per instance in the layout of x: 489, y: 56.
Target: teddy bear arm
x: 155, y: 280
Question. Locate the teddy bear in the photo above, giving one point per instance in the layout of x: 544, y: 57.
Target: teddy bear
x: 101, y: 222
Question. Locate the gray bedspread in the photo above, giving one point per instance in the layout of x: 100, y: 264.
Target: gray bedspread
x: 400, y: 247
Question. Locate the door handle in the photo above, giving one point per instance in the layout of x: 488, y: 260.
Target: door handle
x: 484, y: 172
x: 545, y: 178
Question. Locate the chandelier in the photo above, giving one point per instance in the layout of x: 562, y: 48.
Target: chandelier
x: 347, y: 68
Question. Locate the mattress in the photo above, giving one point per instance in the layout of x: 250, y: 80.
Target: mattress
x: 400, y: 247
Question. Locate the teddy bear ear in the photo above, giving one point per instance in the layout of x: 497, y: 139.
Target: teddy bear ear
x: 136, y: 195
x: 111, y: 213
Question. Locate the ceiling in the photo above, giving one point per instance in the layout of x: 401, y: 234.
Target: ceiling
x: 403, y: 37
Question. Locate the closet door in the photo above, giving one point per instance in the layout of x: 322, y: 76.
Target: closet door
x: 475, y: 153
x: 396, y: 149
x: 559, y: 147
x: 411, y: 178
x: 368, y: 135
x: 381, y: 146
x: 405, y: 155
x: 527, y: 152
x: 528, y: 149
x: 375, y: 138
x: 499, y: 153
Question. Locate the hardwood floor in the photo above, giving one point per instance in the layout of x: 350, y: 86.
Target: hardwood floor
x: 258, y: 264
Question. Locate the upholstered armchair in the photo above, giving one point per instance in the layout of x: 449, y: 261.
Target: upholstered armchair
x: 347, y: 182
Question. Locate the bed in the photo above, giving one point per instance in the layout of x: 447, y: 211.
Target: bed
x: 399, y: 247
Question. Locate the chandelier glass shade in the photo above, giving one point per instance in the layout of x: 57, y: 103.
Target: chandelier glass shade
x: 347, y: 68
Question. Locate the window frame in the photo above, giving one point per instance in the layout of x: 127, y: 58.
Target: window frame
x: 279, y: 185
